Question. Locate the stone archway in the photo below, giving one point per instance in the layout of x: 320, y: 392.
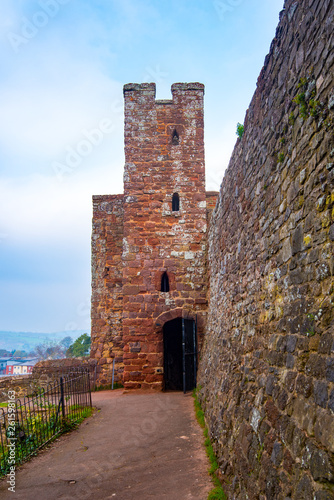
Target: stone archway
x: 173, y: 314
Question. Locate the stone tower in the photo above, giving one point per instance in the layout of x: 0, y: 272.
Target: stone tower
x: 149, y: 283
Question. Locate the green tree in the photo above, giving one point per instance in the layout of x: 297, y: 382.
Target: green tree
x: 80, y: 347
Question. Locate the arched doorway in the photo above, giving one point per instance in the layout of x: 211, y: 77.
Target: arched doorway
x: 180, y: 354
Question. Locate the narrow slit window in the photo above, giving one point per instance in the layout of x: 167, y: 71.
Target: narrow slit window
x: 175, y: 138
x: 164, y: 282
x: 175, y: 202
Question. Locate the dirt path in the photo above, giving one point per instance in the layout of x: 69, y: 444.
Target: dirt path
x: 139, y: 446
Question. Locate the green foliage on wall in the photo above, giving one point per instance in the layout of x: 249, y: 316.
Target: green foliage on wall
x: 240, y: 130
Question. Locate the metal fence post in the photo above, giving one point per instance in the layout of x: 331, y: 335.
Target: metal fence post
x: 184, y: 355
x: 95, y: 370
x: 89, y: 387
x: 113, y: 374
x: 62, y: 396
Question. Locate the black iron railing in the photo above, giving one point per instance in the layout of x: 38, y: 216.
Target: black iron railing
x: 27, y: 425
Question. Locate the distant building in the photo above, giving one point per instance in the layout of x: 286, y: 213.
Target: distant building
x: 3, y: 364
x: 20, y: 366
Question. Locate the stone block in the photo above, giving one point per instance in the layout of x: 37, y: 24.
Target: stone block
x: 323, y: 495
x: 130, y: 289
x: 277, y: 454
x: 297, y: 240
x: 321, y: 466
x: 304, y: 489
x: 304, y: 385
x: 321, y: 393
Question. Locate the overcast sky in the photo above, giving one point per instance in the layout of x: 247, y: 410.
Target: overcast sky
x: 63, y: 67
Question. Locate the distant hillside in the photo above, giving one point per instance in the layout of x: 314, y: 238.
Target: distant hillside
x: 27, y: 341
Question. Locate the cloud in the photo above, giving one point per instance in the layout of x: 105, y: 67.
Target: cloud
x: 58, y: 85
x: 41, y: 209
x: 49, y: 112
x: 9, y: 20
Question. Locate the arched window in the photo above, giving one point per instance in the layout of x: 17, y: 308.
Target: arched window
x: 164, y: 282
x: 175, y: 138
x: 175, y: 202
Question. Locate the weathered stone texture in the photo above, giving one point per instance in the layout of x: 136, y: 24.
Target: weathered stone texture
x: 157, y: 239
x: 20, y: 384
x: 51, y: 370
x: 266, y: 371
x: 137, y: 237
x: 107, y: 277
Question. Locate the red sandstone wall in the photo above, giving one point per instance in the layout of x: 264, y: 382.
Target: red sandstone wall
x: 211, y: 200
x: 155, y: 238
x: 107, y: 275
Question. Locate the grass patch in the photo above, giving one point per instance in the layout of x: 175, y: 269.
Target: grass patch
x: 35, y: 427
x: 108, y: 387
x: 217, y: 493
x: 69, y: 425
x: 199, y: 411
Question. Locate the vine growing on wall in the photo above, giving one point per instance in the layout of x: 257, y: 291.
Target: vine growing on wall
x: 308, y: 104
x: 308, y: 107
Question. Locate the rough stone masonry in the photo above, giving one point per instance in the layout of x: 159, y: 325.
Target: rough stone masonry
x: 266, y: 373
x: 149, y: 245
